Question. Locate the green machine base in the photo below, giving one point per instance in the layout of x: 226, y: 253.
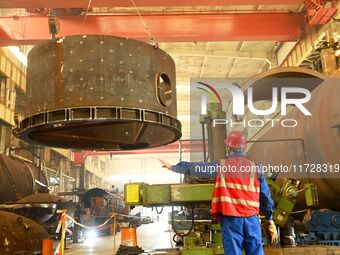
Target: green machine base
x: 216, y: 239
x: 193, y: 246
x: 198, y: 251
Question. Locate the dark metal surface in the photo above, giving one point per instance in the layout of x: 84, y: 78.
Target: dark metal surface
x: 20, y: 235
x: 39, y: 212
x: 112, y: 198
x: 50, y: 222
x: 42, y: 198
x: 95, y: 192
x: 100, y: 92
x: 46, y: 198
x: 320, y: 134
x: 23, y: 176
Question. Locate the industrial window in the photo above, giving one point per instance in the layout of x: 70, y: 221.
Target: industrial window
x: 102, y: 166
x: 94, y: 161
x: 3, y: 88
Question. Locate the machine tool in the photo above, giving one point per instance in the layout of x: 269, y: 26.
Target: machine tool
x: 289, y: 194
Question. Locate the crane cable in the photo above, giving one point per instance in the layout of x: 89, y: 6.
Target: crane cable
x: 152, y: 40
x: 86, y: 13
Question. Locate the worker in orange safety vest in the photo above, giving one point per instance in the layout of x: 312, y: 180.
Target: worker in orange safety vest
x: 240, y: 190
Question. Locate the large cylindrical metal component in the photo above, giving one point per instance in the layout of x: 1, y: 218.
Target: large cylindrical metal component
x: 49, y: 200
x: 100, y: 92
x: 18, y: 179
x: 50, y: 222
x: 20, y: 235
x: 317, y: 140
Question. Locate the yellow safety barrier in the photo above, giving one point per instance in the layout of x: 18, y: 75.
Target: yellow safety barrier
x: 114, y: 233
x: 47, y: 247
x: 128, y: 236
x: 62, y: 226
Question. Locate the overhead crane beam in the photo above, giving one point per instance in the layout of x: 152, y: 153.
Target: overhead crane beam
x: 164, y: 28
x: 140, y: 3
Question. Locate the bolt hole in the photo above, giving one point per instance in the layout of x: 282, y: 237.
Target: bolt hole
x: 164, y: 92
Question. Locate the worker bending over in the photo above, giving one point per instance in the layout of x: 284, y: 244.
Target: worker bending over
x: 237, y: 197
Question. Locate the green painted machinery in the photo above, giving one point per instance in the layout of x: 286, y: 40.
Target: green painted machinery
x: 167, y: 194
x: 285, y: 197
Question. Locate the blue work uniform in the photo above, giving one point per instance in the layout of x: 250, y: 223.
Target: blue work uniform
x: 238, y: 233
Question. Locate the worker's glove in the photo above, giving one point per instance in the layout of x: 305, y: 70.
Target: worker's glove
x: 215, y: 218
x: 272, y: 231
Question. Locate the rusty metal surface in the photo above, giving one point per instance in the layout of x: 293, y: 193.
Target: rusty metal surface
x: 20, y: 235
x: 263, y: 82
x: 46, y: 198
x: 100, y: 92
x: 23, y: 175
x: 42, y: 198
x: 44, y: 216
x: 39, y: 212
x: 320, y: 141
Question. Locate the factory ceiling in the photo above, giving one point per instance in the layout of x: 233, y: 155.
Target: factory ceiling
x: 207, y: 39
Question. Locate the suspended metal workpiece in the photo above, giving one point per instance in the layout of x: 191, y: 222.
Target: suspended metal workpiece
x: 100, y: 93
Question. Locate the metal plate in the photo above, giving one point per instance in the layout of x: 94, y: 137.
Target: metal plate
x: 16, y: 174
x: 100, y: 92
x: 20, y: 235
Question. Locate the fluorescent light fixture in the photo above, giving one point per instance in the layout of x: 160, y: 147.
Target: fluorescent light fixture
x: 40, y: 183
x: 18, y: 54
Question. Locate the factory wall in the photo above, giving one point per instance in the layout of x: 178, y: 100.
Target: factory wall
x: 145, y: 168
x: 57, y: 162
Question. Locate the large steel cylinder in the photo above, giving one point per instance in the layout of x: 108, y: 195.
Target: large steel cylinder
x: 18, y: 179
x: 42, y: 215
x: 100, y: 92
x: 20, y: 235
x: 317, y: 141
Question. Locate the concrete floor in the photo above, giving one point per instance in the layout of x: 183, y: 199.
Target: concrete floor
x: 157, y: 236
x: 150, y: 237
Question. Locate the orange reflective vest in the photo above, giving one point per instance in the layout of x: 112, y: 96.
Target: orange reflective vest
x: 237, y: 188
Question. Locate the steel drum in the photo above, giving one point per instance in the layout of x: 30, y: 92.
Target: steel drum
x: 100, y: 92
